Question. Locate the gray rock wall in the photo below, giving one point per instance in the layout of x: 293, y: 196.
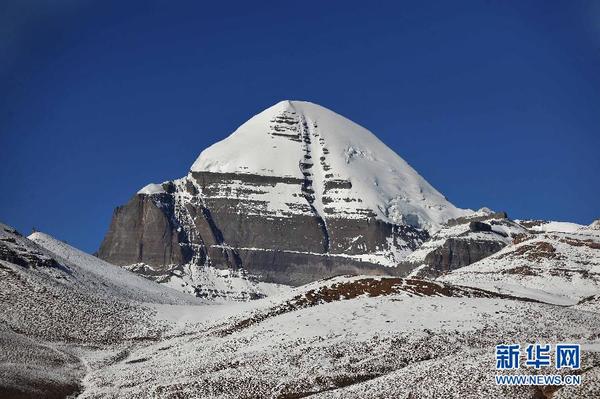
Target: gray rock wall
x: 227, y: 221
x: 456, y: 253
x: 141, y: 231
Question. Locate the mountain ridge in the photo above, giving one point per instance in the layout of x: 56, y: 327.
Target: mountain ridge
x: 295, y: 194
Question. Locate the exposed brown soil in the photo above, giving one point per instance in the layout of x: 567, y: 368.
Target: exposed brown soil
x: 335, y: 382
x: 548, y: 391
x: 522, y: 270
x: 580, y: 243
x: 519, y: 238
x: 371, y: 287
x: 534, y: 251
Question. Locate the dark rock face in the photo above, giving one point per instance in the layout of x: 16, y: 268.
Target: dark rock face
x: 465, y: 241
x: 13, y: 252
x: 479, y: 226
x: 467, y: 219
x: 220, y: 219
x: 295, y: 194
x: 456, y: 253
x: 300, y: 268
x: 144, y: 230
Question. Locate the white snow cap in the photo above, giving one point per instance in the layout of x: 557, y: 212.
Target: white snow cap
x: 152, y: 188
x: 382, y: 180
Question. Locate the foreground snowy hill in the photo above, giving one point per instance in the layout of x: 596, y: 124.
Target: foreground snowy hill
x: 71, y: 324
x: 295, y: 194
x: 49, y: 304
x: 86, y: 271
x: 350, y: 337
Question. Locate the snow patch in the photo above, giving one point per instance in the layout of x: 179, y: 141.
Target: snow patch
x: 152, y: 188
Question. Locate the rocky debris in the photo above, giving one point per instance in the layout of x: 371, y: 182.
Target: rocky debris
x: 19, y: 256
x: 534, y: 251
x: 532, y: 223
x: 578, y: 242
x: 13, y: 251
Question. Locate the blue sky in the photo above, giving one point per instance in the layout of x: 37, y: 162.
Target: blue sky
x: 495, y: 103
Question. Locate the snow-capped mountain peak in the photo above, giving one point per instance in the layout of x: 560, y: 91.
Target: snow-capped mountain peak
x: 296, y: 193
x: 349, y: 169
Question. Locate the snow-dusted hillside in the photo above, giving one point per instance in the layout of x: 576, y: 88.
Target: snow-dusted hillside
x: 51, y: 304
x: 555, y: 267
x: 74, y: 325
x: 272, y: 143
x: 50, y: 289
x: 213, y: 284
x: 464, y: 241
x: 100, y: 277
x: 348, y: 337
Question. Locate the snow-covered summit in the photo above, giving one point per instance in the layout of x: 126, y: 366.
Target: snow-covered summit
x: 298, y: 139
x: 152, y: 188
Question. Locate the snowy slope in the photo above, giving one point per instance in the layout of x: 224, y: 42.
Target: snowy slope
x: 555, y: 267
x: 383, y: 181
x: 51, y: 304
x: 216, y: 285
x: 354, y: 337
x: 502, y: 232
x: 106, y: 278
x: 346, y: 337
x: 550, y: 226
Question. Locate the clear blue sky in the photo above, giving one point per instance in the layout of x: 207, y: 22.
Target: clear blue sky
x: 496, y: 103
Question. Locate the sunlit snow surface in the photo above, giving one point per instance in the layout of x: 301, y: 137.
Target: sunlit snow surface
x: 207, y: 282
x: 382, y: 180
x: 152, y: 188
x: 97, y: 330
x: 398, y: 345
x: 557, y: 267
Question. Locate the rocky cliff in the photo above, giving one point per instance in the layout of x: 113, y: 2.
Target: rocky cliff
x: 463, y: 241
x: 295, y: 194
